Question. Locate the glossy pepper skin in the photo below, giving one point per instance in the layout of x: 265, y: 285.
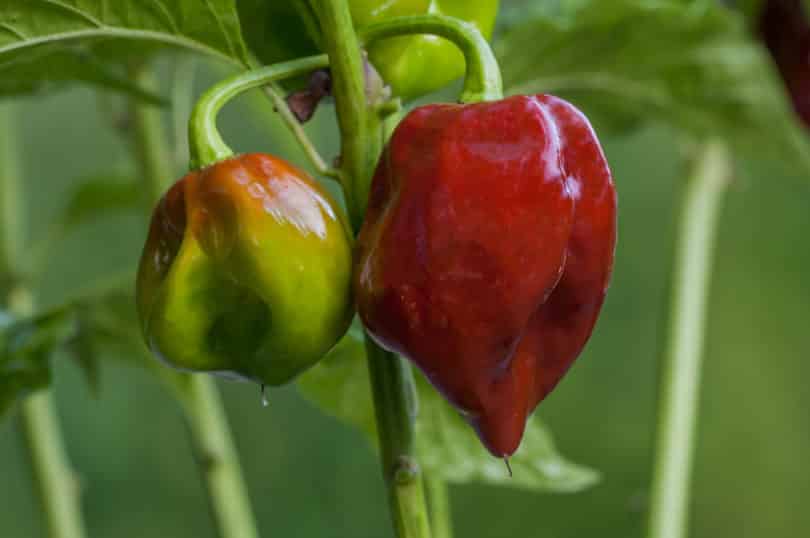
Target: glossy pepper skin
x: 486, y: 252
x: 246, y: 271
x: 785, y: 29
x: 418, y: 65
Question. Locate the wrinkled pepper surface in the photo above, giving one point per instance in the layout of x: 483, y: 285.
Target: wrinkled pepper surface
x: 486, y: 252
x: 246, y: 271
x: 420, y: 64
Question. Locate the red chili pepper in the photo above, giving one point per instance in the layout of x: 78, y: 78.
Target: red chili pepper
x: 486, y: 252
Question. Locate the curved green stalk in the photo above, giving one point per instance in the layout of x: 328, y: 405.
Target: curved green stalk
x: 210, y: 434
x: 206, y: 145
x: 680, y: 379
x: 482, y: 81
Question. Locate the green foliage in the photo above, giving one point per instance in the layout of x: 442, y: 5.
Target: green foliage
x: 278, y: 31
x: 26, y: 347
x: 447, y: 446
x: 628, y: 63
x: 99, y: 196
x: 43, y: 43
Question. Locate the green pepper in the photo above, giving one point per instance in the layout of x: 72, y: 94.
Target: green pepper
x: 246, y: 271
x: 417, y: 65
x: 247, y: 266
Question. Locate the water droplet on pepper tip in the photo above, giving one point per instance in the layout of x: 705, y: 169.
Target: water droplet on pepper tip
x: 265, y: 403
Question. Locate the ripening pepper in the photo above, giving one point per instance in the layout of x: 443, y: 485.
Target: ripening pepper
x: 785, y: 29
x: 486, y: 252
x: 420, y: 64
x: 246, y: 271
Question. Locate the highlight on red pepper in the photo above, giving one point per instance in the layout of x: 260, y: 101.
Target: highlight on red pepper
x: 486, y: 252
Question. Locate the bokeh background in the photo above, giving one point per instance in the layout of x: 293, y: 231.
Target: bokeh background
x: 310, y: 476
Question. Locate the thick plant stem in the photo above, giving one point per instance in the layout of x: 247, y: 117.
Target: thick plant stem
x: 217, y: 458
x: 680, y: 375
x: 395, y: 407
x: 210, y: 434
x: 391, y: 378
x: 54, y: 480
x: 441, y: 517
x: 360, y: 132
x: 56, y: 483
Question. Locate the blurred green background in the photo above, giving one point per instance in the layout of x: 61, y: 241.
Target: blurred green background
x: 310, y: 476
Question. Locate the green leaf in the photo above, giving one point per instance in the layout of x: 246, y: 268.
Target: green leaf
x: 692, y: 65
x: 93, y: 198
x: 50, y: 42
x: 278, y: 31
x: 448, y: 448
x: 26, y: 346
x: 100, y: 196
x: 51, y: 70
x: 108, y: 327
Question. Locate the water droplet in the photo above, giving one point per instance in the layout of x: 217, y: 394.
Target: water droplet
x: 265, y: 403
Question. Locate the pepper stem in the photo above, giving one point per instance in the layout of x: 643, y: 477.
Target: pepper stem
x: 680, y: 380
x: 482, y: 81
x: 391, y: 378
x: 206, y: 145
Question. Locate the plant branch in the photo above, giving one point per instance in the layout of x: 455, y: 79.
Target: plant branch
x: 395, y: 404
x: 217, y: 457
x: 391, y: 378
x: 54, y: 480
x: 680, y: 376
x: 275, y: 93
x: 211, y: 437
x: 360, y: 132
x: 441, y: 517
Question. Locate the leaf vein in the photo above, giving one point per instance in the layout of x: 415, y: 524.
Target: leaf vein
x: 13, y: 31
x: 110, y: 31
x: 215, y: 13
x: 86, y: 16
